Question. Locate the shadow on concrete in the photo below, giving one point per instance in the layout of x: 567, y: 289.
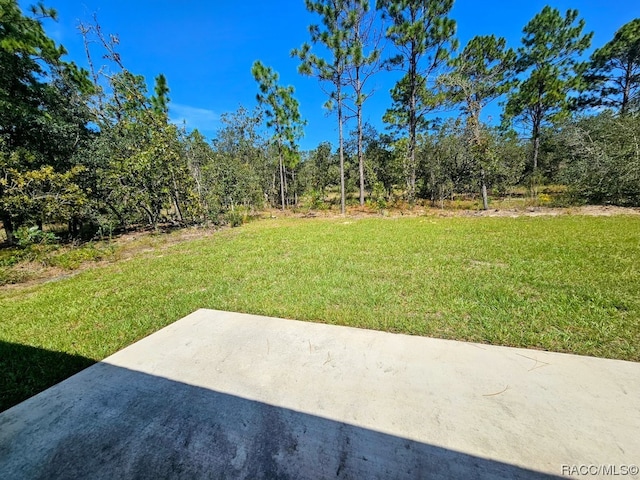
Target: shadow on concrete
x: 110, y: 422
x: 26, y: 371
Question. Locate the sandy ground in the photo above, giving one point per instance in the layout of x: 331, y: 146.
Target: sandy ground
x: 356, y: 212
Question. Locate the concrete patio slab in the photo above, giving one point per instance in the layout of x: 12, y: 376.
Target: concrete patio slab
x: 228, y: 395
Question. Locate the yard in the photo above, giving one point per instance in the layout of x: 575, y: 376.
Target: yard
x: 566, y: 283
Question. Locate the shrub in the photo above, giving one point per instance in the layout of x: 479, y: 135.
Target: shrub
x: 379, y: 195
x: 34, y: 236
x: 316, y: 202
x: 603, y: 160
x: 234, y: 218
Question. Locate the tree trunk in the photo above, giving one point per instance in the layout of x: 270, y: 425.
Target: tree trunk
x: 8, y: 229
x: 360, y: 155
x: 281, y: 176
x: 485, y: 200
x: 150, y: 216
x: 204, y: 206
x: 478, y: 150
x: 287, y: 198
x: 358, y: 92
x: 273, y: 190
x: 413, y: 75
x: 176, y: 204
x: 341, y: 148
x: 536, y: 152
x: 75, y: 225
x: 121, y: 219
x: 176, y: 198
x: 295, y: 188
x: 626, y: 90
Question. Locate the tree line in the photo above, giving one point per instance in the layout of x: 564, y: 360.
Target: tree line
x: 94, y: 150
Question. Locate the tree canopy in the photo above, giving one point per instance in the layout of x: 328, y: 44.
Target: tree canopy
x: 614, y: 75
x: 98, y: 151
x: 549, y: 58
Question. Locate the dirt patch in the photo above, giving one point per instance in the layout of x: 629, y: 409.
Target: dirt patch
x: 364, y: 212
x: 593, y: 211
x: 124, y: 247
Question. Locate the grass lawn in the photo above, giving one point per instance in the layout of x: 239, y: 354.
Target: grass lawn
x: 567, y: 284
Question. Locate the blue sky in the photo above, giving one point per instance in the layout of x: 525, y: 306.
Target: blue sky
x: 206, y: 48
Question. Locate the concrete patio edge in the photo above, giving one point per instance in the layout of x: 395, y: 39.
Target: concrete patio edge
x: 222, y: 394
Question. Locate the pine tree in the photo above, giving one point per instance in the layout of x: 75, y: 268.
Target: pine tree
x: 282, y: 111
x: 613, y: 78
x: 160, y: 101
x: 363, y: 61
x: 424, y: 37
x: 332, y: 36
x: 549, y: 57
x: 481, y: 73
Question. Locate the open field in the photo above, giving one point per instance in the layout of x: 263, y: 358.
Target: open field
x: 566, y: 283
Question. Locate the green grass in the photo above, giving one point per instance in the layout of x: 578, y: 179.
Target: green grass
x: 567, y: 284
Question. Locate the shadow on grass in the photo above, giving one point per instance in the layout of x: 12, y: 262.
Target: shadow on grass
x: 112, y: 422
x: 26, y: 371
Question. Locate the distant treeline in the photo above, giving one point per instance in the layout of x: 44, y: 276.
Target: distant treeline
x: 94, y: 150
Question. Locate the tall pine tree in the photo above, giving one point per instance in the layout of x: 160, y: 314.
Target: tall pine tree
x: 613, y: 79
x: 282, y: 111
x: 549, y: 60
x: 481, y: 73
x: 423, y: 34
x: 332, y: 36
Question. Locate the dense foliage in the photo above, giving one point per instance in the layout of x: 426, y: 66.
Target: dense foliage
x: 96, y: 152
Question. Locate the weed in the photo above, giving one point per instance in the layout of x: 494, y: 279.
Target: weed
x: 33, y: 236
x: 73, y: 258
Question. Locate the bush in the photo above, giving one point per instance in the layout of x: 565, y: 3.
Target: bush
x: 34, y: 236
x: 234, y: 218
x: 603, y: 161
x: 316, y: 202
x: 10, y: 257
x: 379, y: 195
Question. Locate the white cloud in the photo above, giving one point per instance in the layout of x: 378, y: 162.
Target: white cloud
x: 194, y: 117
